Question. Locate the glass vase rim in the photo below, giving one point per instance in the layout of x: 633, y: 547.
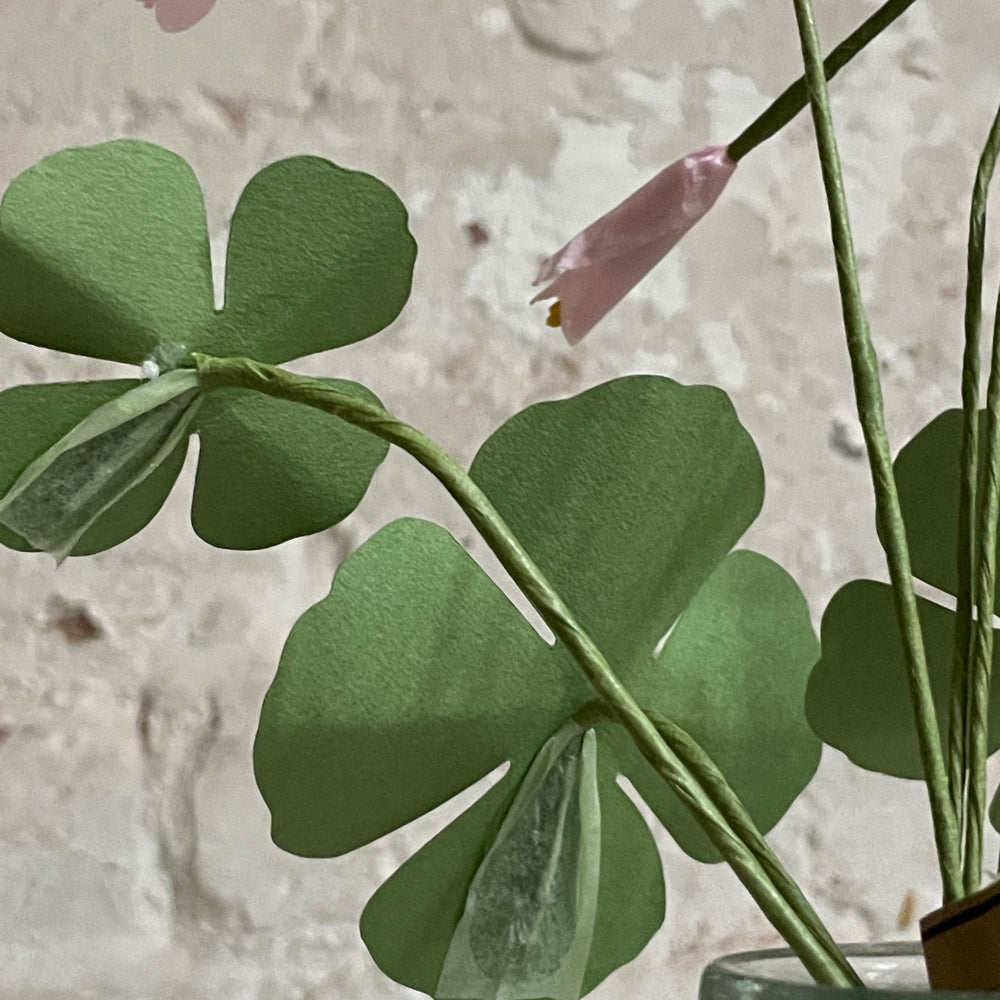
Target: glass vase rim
x: 746, y: 966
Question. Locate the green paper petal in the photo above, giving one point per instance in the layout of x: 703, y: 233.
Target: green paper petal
x: 733, y: 673
x: 627, y: 496
x: 858, y: 699
x: 104, y: 252
x: 408, y: 923
x: 411, y: 680
x: 318, y: 257
x: 995, y: 810
x: 35, y: 417
x: 270, y: 470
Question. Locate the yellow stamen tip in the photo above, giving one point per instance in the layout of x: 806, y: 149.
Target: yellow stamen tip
x: 554, y: 317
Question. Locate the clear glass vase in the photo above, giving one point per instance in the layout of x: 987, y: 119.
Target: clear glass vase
x: 889, y: 971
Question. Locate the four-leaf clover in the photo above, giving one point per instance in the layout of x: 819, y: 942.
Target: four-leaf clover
x: 104, y: 252
x: 416, y: 676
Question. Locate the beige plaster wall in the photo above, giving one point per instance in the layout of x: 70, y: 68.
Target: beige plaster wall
x: 134, y: 852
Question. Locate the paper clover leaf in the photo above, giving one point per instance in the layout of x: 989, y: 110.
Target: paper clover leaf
x: 416, y: 676
x: 104, y: 252
x: 63, y: 492
x: 858, y: 697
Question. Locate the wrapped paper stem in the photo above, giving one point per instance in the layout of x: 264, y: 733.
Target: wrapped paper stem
x: 868, y: 392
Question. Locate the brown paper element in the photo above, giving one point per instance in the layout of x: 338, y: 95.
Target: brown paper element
x: 962, y: 942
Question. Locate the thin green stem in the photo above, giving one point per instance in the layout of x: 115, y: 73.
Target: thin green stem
x: 868, y: 393
x: 731, y: 807
x: 826, y: 965
x: 795, y: 98
x: 979, y: 681
x: 958, y: 721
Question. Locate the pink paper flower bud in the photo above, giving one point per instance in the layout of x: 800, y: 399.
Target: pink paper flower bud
x: 602, y: 264
x: 179, y: 15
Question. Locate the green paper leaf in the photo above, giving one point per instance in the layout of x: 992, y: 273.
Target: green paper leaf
x: 627, y: 496
x: 270, y: 470
x: 67, y: 488
x: 408, y: 923
x: 34, y: 418
x: 414, y: 678
x: 862, y: 675
x: 411, y: 680
x: 928, y: 473
x: 684, y: 481
x: 319, y: 257
x: 104, y: 252
x: 631, y: 899
x: 994, y: 812
x: 858, y: 699
x: 733, y: 674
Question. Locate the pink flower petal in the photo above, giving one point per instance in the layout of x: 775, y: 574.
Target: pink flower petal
x: 179, y: 15
x: 602, y: 264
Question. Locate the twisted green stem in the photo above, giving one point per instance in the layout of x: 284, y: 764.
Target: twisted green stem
x: 818, y: 952
x: 979, y: 681
x: 868, y: 393
x: 731, y: 807
x: 795, y: 98
x: 961, y: 694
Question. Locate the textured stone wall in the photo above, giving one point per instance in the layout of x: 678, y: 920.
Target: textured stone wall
x: 135, y: 860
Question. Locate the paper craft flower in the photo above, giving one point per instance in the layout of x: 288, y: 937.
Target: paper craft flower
x: 179, y: 15
x: 858, y: 698
x: 598, y: 267
x: 416, y: 676
x: 104, y: 252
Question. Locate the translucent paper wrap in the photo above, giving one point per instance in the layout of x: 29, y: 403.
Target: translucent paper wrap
x: 529, y: 915
x: 62, y: 493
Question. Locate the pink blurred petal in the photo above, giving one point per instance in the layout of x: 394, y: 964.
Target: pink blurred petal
x: 179, y: 15
x: 602, y: 264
